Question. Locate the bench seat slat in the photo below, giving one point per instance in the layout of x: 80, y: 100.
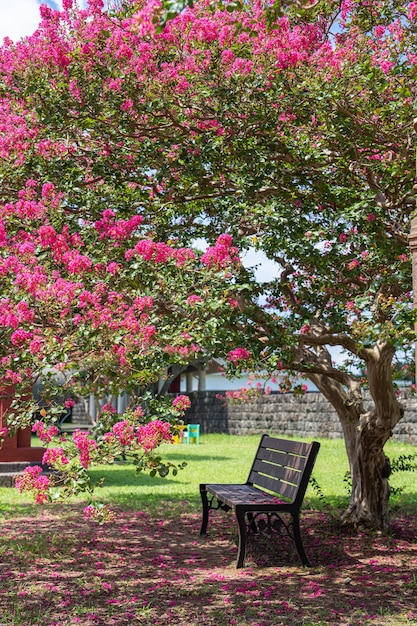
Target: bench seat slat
x: 243, y: 494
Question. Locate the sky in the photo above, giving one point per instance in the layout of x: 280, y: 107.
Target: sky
x: 19, y: 18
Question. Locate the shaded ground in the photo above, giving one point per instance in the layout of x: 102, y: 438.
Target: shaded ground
x: 57, y: 569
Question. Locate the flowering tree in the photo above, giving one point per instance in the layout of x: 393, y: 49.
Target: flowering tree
x: 123, y: 144
x: 94, y: 296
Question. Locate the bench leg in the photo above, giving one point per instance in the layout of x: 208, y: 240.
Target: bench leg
x: 243, y: 536
x: 204, y: 500
x: 252, y: 524
x: 298, y: 541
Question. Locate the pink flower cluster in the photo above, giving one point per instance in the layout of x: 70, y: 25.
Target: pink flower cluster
x: 183, y: 350
x: 181, y: 403
x: 246, y: 394
x: 412, y: 11
x: 160, y: 252
x: 194, y: 299
x: 55, y: 457
x: 222, y: 254
x: 238, y: 354
x: 116, y: 230
x: 151, y: 435
x: 33, y: 479
x: 45, y: 434
x: 85, y: 446
x: 124, y: 432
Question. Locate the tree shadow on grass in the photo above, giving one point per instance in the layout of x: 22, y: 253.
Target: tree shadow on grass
x: 127, y: 477
x: 156, y: 570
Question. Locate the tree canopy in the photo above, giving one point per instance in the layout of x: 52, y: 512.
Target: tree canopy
x: 123, y: 144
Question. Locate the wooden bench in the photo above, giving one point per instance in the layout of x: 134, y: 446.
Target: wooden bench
x: 276, y: 484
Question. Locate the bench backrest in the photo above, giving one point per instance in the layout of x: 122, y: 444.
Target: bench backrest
x: 283, y: 467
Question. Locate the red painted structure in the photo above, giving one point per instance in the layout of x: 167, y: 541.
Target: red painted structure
x: 16, y: 448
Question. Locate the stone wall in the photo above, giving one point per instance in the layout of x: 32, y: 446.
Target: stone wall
x: 308, y: 416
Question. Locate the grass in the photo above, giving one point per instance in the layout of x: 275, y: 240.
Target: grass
x: 150, y: 567
x: 226, y: 458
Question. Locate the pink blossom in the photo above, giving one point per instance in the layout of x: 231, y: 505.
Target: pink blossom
x: 75, y: 262
x: 181, y: 403
x: 151, y: 435
x: 90, y: 512
x: 117, y: 230
x: 45, y: 434
x: 222, y: 254
x: 227, y: 56
x: 412, y: 11
x: 191, y: 300
x: 113, y: 268
x: 85, y: 445
x: 124, y: 432
x: 34, y: 480
x: 35, y: 346
x: 20, y: 336
x: 238, y: 354
x: 127, y: 105
x: 108, y: 408
x: 353, y: 264
x: 183, y: 256
x: 138, y: 412
x: 55, y: 456
x: 379, y: 31
x: 12, y: 377
x: 145, y: 18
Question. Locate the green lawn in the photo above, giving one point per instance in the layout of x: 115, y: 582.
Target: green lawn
x: 225, y: 458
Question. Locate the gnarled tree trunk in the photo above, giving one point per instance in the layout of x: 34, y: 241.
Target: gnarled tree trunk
x: 365, y: 434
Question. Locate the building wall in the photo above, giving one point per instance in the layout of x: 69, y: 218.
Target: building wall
x: 307, y: 416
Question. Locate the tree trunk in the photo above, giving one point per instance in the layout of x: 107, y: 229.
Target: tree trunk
x: 365, y: 434
x: 370, y: 470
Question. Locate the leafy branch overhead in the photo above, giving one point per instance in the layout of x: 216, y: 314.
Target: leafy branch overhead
x: 171, y: 8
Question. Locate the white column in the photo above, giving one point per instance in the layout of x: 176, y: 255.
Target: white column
x: 121, y: 403
x: 202, y: 380
x: 92, y: 410
x: 189, y: 382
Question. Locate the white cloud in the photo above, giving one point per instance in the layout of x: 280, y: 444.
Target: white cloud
x: 18, y: 18
x: 265, y: 268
